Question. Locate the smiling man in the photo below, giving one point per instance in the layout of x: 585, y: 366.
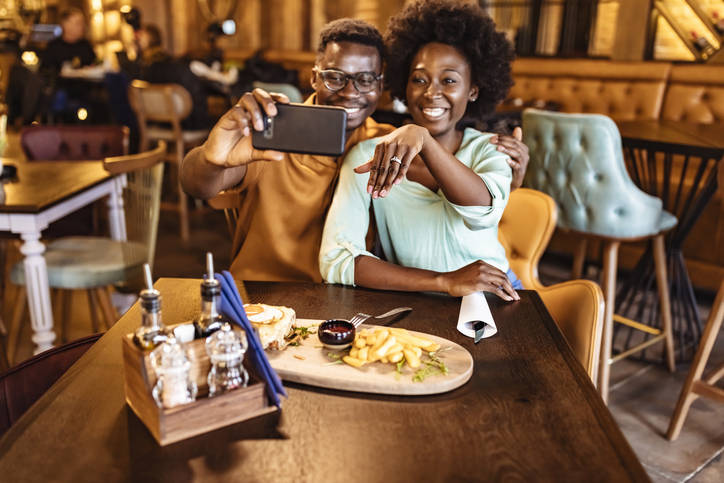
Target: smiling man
x: 285, y: 197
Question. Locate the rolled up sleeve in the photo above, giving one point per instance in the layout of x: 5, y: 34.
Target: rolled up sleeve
x: 347, y: 223
x: 495, y: 172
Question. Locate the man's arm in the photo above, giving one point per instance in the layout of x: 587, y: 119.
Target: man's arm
x: 514, y: 147
x: 220, y: 163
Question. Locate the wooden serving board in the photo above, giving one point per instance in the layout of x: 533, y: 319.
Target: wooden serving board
x: 305, y: 364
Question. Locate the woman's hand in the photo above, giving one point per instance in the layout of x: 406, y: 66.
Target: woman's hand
x: 392, y: 158
x: 513, y: 146
x: 229, y: 142
x: 476, y: 277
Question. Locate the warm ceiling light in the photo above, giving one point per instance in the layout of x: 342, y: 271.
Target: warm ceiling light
x: 30, y: 58
x: 98, y: 17
x: 125, y: 9
x: 82, y: 114
x: 96, y: 4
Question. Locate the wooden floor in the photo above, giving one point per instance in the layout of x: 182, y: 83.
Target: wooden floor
x: 642, y: 395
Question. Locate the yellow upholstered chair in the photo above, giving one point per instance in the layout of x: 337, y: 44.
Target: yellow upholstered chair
x: 577, y: 305
x: 160, y: 110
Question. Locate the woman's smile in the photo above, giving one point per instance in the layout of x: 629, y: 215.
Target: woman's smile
x: 438, y: 91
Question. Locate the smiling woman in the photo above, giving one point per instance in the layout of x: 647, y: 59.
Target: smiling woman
x: 437, y: 192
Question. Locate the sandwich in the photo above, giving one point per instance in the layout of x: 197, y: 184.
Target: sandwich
x: 274, y: 324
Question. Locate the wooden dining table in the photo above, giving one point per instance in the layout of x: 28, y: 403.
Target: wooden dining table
x: 529, y: 412
x: 678, y: 162
x: 40, y: 193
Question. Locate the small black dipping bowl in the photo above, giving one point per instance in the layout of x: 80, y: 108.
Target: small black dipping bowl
x: 336, y: 334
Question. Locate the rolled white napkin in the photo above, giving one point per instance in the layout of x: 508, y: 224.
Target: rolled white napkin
x: 475, y: 307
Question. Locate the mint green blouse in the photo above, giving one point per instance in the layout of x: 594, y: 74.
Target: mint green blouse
x: 417, y: 227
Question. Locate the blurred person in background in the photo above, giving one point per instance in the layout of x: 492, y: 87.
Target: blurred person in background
x: 71, y: 46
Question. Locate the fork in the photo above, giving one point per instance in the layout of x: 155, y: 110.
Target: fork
x: 359, y: 318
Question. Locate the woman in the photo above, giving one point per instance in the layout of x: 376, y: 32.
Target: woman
x: 437, y: 192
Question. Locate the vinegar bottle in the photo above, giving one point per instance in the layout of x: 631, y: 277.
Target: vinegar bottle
x: 152, y: 332
x: 210, y: 320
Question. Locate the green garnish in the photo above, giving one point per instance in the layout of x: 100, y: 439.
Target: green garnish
x: 333, y: 356
x: 333, y: 363
x: 433, y: 367
x: 399, y: 369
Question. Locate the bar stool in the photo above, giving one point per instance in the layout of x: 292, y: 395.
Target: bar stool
x: 577, y: 160
x: 695, y: 385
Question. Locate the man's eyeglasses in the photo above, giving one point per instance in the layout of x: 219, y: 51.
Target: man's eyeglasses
x: 336, y: 80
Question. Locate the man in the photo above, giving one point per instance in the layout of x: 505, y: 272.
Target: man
x: 285, y: 197
x: 71, y: 46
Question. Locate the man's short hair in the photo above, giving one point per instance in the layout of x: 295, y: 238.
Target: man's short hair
x: 69, y: 12
x: 154, y: 35
x: 350, y: 30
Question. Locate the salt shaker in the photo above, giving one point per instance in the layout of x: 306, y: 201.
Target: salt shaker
x: 174, y: 386
x: 226, y: 349
x: 152, y: 332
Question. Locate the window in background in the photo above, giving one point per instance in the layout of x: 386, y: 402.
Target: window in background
x: 684, y: 29
x: 556, y: 28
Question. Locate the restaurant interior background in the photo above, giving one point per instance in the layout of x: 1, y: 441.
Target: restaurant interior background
x: 676, y: 32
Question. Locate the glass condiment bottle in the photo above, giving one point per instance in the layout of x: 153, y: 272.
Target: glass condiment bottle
x: 174, y: 386
x: 226, y: 349
x: 210, y: 320
x: 152, y: 332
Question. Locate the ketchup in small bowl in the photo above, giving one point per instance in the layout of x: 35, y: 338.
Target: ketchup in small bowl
x: 336, y: 334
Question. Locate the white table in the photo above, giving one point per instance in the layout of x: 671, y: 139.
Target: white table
x: 43, y: 192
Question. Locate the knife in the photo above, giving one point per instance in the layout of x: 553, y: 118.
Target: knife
x: 479, y: 328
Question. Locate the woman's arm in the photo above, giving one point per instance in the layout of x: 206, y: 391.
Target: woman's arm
x: 459, y: 184
x: 347, y: 223
x: 478, y: 276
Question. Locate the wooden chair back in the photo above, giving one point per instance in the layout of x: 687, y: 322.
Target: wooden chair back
x: 74, y: 143
x: 161, y: 103
x: 142, y: 198
x: 229, y: 202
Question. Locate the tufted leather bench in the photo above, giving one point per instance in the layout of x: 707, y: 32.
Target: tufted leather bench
x: 624, y: 91
x: 695, y: 94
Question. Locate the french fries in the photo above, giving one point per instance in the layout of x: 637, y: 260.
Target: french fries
x: 388, y: 346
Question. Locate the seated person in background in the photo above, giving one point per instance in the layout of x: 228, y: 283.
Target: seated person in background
x: 158, y: 67
x: 285, y: 197
x: 71, y: 46
x: 437, y: 193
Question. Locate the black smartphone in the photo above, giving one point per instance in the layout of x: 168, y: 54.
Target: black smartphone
x: 306, y: 129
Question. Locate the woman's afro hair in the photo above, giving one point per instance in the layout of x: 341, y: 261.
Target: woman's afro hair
x: 467, y: 28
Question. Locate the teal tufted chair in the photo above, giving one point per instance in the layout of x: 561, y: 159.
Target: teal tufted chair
x: 578, y: 161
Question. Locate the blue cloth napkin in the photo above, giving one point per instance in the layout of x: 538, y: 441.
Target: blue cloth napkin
x: 232, y: 307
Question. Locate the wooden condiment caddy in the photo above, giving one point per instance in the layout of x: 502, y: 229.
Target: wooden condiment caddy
x: 205, y: 414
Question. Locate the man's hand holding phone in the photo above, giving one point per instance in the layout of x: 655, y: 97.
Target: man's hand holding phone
x: 229, y: 142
